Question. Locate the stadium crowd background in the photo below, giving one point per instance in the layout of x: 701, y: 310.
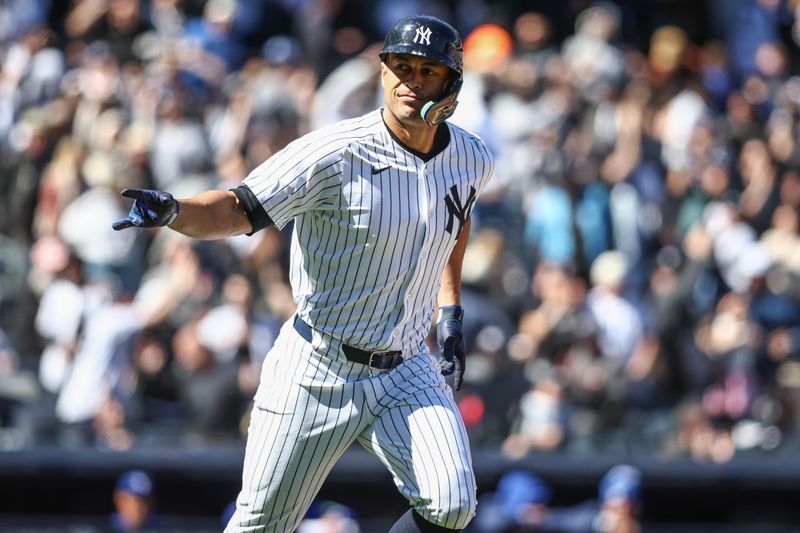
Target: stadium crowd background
x: 631, y: 284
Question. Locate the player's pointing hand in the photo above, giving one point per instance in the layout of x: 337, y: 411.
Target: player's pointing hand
x: 150, y: 209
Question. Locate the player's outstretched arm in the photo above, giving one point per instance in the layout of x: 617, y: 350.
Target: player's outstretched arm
x: 209, y: 215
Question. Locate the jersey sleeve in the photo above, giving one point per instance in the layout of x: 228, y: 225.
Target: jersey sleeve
x: 304, y: 176
x: 483, y: 162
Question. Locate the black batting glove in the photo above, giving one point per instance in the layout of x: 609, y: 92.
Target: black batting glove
x: 450, y: 337
x: 150, y: 209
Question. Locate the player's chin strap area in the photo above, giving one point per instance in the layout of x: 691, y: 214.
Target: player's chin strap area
x: 435, y: 112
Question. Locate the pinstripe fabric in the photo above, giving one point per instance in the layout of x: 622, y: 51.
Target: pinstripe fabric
x: 374, y: 228
x: 312, y: 404
x: 368, y: 248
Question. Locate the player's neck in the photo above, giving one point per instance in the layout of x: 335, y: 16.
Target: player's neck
x: 417, y: 137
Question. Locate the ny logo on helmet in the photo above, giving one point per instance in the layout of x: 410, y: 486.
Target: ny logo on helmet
x: 423, y: 35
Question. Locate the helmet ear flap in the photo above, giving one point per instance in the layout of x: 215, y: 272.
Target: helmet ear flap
x: 434, y: 112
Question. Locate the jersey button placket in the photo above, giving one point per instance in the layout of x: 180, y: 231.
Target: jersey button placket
x: 422, y: 195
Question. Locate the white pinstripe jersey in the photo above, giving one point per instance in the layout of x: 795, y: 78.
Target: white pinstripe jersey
x: 374, y: 226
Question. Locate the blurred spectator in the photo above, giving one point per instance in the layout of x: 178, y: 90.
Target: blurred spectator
x: 533, y: 36
x: 19, y: 16
x: 520, y: 503
x: 617, y: 509
x: 619, y: 325
x: 134, y: 503
x: 154, y: 405
x: 592, y: 55
x: 762, y: 18
x: 542, y: 420
x: 620, y: 494
x: 18, y: 391
x: 32, y: 69
x: 208, y: 384
x: 666, y: 58
x: 332, y: 31
x: 326, y: 516
x: 494, y: 383
x: 211, y: 46
x: 782, y: 239
x: 700, y: 437
x: 17, y: 306
x: 81, y: 228
x: 179, y: 149
x: 116, y: 22
x: 21, y: 168
x: 549, y: 227
x: 759, y: 195
x: 62, y: 308
x: 100, y: 371
x: 349, y: 90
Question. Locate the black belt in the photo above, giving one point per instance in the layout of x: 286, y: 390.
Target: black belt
x: 374, y: 360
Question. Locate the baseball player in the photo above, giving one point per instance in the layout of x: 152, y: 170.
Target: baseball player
x: 381, y: 208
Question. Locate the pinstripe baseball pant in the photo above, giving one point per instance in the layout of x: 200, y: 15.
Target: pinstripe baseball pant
x: 312, y: 404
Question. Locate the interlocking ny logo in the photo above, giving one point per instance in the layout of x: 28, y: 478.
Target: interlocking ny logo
x: 423, y: 35
x: 456, y: 210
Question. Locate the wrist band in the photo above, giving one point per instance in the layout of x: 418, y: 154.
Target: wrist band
x: 451, y: 311
x: 175, y: 214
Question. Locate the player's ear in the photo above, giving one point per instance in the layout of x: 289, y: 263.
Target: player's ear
x: 384, y: 68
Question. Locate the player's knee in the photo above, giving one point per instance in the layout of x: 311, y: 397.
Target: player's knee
x: 453, y: 513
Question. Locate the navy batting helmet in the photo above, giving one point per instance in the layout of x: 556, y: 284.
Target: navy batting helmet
x: 435, y: 39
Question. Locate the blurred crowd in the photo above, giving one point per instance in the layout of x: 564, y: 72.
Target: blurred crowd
x: 631, y: 284
x: 137, y: 498
x: 522, y: 503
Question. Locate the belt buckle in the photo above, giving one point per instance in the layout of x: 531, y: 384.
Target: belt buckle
x: 376, y: 364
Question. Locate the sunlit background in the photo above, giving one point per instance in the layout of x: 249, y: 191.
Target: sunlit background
x: 630, y: 288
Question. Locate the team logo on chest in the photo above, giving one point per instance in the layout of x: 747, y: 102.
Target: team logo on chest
x: 423, y: 35
x: 456, y: 210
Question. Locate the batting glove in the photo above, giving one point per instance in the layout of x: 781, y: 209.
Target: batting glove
x: 150, y: 209
x: 450, y: 337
